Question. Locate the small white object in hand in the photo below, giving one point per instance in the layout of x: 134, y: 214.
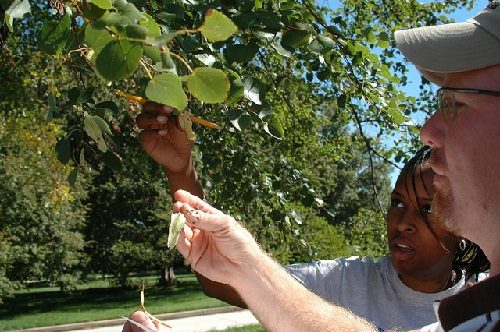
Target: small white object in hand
x: 177, y: 221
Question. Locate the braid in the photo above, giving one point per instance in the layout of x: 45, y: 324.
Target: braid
x: 470, y: 259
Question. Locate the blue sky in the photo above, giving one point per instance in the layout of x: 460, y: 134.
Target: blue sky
x: 412, y: 88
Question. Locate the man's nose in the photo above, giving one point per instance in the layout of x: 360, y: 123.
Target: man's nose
x: 432, y: 133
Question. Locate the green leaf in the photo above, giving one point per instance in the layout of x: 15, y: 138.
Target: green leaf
x: 167, y: 63
x: 252, y: 90
x: 94, y: 131
x: 16, y: 10
x: 112, y: 20
x: 112, y: 160
x: 326, y: 41
x: 118, y: 59
x: 149, y: 23
x: 104, y: 4
x: 236, y: 91
x: 91, y: 11
x: 167, y: 89
x: 63, y: 151
x: 97, y: 38
x: 295, y: 38
x: 129, y: 10
x: 102, y: 125
x: 240, y: 53
x: 167, y: 17
x: 136, y: 32
x: 52, y: 107
x: 395, y: 114
x: 55, y: 36
x: 209, y: 85
x: 217, y: 26
x: 153, y: 53
x: 274, y: 127
x: 108, y: 104
x: 72, y: 176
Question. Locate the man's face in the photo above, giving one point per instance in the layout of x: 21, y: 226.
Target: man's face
x: 466, y: 158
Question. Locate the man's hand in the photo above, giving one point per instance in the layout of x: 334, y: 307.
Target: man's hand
x: 162, y: 137
x: 143, y: 319
x: 213, y: 243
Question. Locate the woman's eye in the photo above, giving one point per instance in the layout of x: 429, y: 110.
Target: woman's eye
x: 397, y: 203
x: 427, y: 209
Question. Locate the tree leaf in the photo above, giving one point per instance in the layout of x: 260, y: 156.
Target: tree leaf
x: 16, y: 10
x: 274, y: 128
x: 217, y: 26
x: 167, y: 89
x: 129, y: 10
x: 153, y: 53
x: 177, y: 221
x: 102, y: 125
x: 55, y: 35
x: 72, y: 176
x: 118, y: 59
x: 108, y: 104
x: 104, y: 4
x: 91, y: 11
x: 240, y: 52
x: 149, y: 23
x: 112, y: 160
x: 136, y: 32
x: 236, y: 91
x: 94, y: 131
x: 252, y: 90
x: 97, y: 38
x: 52, y: 107
x: 63, y: 151
x: 209, y: 85
x: 295, y: 38
x: 112, y: 20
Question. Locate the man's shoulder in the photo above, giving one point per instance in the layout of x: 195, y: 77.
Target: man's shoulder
x: 474, y: 308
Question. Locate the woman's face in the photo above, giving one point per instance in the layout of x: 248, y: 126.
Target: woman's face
x: 416, y: 251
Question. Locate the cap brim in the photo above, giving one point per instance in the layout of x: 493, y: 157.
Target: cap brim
x: 455, y: 47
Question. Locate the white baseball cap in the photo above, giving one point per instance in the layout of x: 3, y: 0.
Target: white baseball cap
x: 454, y: 47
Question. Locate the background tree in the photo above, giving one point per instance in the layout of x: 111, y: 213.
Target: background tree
x: 306, y: 95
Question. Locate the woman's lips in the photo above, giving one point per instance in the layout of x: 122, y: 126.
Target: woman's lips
x: 402, y: 251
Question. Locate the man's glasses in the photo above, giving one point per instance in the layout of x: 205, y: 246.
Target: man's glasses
x: 446, y: 99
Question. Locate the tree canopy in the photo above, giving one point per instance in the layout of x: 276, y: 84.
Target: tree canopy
x: 306, y: 96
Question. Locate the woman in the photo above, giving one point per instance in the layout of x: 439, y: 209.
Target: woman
x: 425, y: 264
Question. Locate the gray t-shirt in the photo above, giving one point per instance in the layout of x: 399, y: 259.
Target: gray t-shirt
x: 372, y: 290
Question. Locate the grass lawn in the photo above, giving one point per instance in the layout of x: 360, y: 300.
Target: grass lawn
x: 38, y: 307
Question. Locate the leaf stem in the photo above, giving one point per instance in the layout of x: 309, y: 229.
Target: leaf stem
x: 181, y: 59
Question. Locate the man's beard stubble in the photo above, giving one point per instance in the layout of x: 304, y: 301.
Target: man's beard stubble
x: 442, y: 210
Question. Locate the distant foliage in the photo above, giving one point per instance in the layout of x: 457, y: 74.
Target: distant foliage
x: 306, y: 96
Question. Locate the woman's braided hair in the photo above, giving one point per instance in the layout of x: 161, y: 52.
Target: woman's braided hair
x: 469, y: 257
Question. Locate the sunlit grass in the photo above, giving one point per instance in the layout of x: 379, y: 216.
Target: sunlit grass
x: 96, y: 300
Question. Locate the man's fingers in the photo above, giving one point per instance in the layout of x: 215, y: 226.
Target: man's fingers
x: 207, y: 221
x: 183, y: 244
x: 194, y: 201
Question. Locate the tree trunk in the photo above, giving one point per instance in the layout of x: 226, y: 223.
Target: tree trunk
x: 167, y: 276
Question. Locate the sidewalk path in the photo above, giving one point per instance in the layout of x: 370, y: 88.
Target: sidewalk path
x: 192, y: 321
x: 203, y: 323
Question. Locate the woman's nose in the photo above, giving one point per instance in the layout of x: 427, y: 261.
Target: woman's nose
x: 406, y: 222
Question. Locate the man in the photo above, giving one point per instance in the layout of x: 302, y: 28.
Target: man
x: 464, y: 59
x: 465, y: 136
